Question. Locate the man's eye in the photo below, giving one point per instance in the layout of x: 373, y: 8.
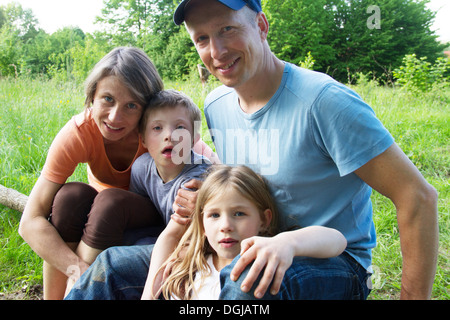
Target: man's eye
x: 201, y: 39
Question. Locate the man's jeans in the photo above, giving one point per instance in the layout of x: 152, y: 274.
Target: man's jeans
x: 120, y: 273
x: 339, y: 278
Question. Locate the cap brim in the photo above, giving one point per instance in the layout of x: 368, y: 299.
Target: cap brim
x: 178, y: 16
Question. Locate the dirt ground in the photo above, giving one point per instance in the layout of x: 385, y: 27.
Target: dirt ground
x: 26, y: 293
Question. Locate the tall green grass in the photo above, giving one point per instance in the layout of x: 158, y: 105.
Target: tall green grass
x: 33, y: 111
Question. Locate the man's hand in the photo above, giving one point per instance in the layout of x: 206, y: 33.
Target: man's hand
x: 185, y: 201
x: 270, y: 253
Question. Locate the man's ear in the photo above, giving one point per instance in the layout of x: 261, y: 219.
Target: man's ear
x: 263, y: 25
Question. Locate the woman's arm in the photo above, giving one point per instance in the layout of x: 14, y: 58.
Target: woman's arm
x: 40, y: 234
x: 164, y: 246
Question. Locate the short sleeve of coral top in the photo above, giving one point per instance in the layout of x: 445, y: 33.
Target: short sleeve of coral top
x: 80, y: 141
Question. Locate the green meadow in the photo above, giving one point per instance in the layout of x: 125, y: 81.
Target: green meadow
x: 33, y: 111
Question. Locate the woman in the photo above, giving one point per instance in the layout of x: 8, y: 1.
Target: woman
x: 69, y: 224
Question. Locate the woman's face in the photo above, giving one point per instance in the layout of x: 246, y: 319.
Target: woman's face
x: 115, y: 111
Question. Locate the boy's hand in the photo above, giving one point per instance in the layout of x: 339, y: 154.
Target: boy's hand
x: 185, y: 201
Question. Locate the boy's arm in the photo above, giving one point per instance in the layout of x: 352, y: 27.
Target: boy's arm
x: 164, y: 246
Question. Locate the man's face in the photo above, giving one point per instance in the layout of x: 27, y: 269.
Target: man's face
x: 229, y: 42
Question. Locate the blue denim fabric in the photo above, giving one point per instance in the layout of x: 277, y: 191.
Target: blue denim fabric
x: 118, y: 273
x: 339, y: 278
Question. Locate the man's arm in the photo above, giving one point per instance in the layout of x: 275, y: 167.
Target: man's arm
x: 393, y: 175
x: 275, y: 255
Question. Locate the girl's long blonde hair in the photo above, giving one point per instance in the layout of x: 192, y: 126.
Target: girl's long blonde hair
x: 193, y: 248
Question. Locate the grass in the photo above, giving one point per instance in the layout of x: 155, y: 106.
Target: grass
x: 33, y: 111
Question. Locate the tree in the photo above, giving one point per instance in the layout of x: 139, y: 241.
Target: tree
x: 61, y: 59
x: 404, y: 28
x: 127, y: 20
x: 10, y: 51
x: 21, y: 19
x: 149, y: 25
x: 299, y: 27
x: 16, y: 27
x: 345, y: 37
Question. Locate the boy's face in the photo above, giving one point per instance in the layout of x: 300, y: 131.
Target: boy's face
x: 169, y: 136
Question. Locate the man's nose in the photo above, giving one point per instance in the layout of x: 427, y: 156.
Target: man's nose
x: 218, y: 48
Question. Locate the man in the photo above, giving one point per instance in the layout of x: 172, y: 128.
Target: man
x: 321, y: 177
x: 327, y: 148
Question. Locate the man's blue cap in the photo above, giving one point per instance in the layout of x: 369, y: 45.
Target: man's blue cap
x: 255, y: 5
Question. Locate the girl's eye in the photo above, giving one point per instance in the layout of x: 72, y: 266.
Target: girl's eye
x: 132, y: 106
x: 157, y: 128
x: 239, y: 214
x: 181, y: 127
x: 212, y: 215
x: 108, y: 99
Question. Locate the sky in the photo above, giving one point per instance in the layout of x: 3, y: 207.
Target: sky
x: 55, y: 14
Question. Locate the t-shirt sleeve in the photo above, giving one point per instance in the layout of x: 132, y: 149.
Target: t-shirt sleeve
x: 346, y: 129
x: 138, y: 175
x: 67, y: 150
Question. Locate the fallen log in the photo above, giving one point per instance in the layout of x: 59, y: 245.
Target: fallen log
x: 12, y: 199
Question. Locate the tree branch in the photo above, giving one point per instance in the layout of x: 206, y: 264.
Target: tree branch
x: 12, y: 199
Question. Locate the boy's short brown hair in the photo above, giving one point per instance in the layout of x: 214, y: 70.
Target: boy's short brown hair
x: 170, y: 98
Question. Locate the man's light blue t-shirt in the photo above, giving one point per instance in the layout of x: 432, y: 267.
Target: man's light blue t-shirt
x: 307, y: 142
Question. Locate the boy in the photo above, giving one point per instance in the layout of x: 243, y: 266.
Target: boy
x: 169, y: 131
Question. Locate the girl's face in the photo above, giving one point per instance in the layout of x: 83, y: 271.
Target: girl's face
x: 228, y: 219
x: 115, y: 111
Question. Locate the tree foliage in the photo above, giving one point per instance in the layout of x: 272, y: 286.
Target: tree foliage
x: 341, y: 37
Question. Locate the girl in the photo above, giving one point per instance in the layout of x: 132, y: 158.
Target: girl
x: 234, y: 212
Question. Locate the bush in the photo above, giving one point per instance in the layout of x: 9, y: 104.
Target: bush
x: 419, y: 75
